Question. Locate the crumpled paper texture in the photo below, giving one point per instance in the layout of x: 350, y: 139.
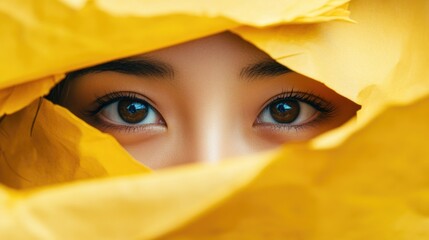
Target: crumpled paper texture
x: 13, y: 98
x: 45, y: 144
x: 370, y: 183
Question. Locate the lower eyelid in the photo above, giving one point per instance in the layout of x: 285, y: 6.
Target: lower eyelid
x: 130, y: 129
x: 108, y: 123
x: 284, y: 129
x: 314, y: 123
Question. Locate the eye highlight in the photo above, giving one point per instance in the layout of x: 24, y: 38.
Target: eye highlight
x: 293, y: 109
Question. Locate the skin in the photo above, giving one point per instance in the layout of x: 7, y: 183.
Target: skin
x: 209, y: 108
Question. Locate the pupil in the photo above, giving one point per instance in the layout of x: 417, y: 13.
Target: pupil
x: 283, y: 107
x: 134, y: 107
x: 285, y: 111
x: 132, y: 111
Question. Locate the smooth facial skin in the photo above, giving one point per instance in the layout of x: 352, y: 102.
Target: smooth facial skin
x: 203, y: 100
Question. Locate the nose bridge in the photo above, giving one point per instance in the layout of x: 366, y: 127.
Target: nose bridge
x: 210, y: 145
x: 209, y: 109
x: 211, y: 123
x: 212, y: 135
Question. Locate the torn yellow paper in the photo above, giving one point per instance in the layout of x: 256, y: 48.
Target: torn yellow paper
x: 14, y: 98
x: 128, y: 207
x: 240, y: 11
x: 45, y: 144
x: 56, y: 39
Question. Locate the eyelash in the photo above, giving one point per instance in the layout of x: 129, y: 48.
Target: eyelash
x: 112, y: 97
x: 325, y: 108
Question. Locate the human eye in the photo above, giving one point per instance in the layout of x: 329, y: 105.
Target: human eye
x: 294, y: 110
x: 125, y: 111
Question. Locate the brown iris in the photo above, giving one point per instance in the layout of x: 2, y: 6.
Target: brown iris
x: 284, y: 110
x: 132, y: 111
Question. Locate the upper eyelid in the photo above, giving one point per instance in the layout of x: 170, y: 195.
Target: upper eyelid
x: 112, y: 97
x: 303, y: 97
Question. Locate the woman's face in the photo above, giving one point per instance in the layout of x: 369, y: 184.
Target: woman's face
x: 203, y: 100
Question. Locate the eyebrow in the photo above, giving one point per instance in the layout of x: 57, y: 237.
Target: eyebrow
x: 133, y: 66
x: 267, y: 68
x: 148, y: 67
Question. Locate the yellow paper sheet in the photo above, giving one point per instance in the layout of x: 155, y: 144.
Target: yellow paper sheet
x: 15, y: 97
x: 370, y: 185
x: 46, y: 144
